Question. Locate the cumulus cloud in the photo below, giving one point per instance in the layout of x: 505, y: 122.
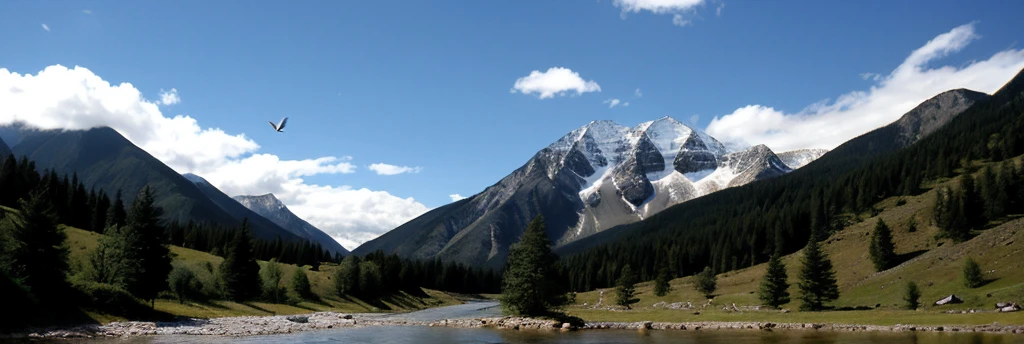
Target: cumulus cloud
x: 87, y: 11
x: 612, y: 102
x: 75, y: 98
x: 46, y: 27
x: 456, y: 197
x: 390, y: 170
x: 679, y: 9
x: 169, y: 97
x: 637, y: 93
x: 827, y: 124
x: 556, y: 81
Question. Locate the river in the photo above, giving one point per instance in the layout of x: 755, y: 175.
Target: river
x: 423, y: 334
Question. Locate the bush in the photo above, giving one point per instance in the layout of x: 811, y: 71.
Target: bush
x: 300, y: 284
x: 972, y: 274
x: 706, y: 283
x: 271, y: 276
x: 109, y: 299
x: 912, y: 295
x: 184, y: 284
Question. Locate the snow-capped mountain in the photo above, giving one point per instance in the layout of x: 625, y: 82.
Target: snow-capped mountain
x: 800, y: 157
x: 271, y: 208
x: 595, y: 177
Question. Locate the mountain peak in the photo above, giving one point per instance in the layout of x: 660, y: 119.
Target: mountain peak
x: 195, y: 179
x: 267, y: 201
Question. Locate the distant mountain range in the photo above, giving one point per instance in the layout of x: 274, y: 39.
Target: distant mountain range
x: 105, y: 160
x: 594, y: 178
x: 270, y: 207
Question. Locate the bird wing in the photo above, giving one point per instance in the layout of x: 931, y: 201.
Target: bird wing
x: 283, y: 121
x: 272, y: 125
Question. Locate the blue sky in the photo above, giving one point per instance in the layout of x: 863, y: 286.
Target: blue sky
x: 427, y: 84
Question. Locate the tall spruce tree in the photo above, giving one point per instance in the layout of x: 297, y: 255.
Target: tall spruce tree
x: 530, y: 285
x: 300, y: 284
x: 35, y: 253
x: 817, y: 278
x: 154, y: 256
x: 625, y: 290
x: 239, y: 271
x: 661, y: 283
x: 115, y: 214
x: 912, y: 296
x: 882, y: 250
x: 971, y: 202
x: 774, y: 289
x: 346, y: 279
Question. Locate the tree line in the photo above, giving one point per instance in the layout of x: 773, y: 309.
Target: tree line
x: 743, y: 226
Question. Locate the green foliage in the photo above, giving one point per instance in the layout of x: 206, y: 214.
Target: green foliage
x: 774, y: 289
x: 661, y: 283
x: 625, y: 291
x: 300, y: 284
x: 154, y: 257
x: 108, y: 299
x: 912, y: 296
x: 271, y: 274
x: 972, y: 274
x: 239, y: 271
x: 706, y: 282
x: 184, y: 284
x: 115, y: 214
x: 882, y: 250
x: 817, y: 279
x: 346, y: 279
x: 530, y: 284
x: 370, y: 279
x: 114, y: 261
x: 971, y: 202
x: 32, y: 248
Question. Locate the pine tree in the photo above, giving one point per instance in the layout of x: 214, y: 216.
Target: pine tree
x: 912, y: 295
x: 530, y: 285
x: 35, y: 252
x: 300, y: 284
x: 116, y: 215
x: 370, y: 279
x: 99, y: 213
x: 626, y: 288
x: 154, y: 257
x: 239, y: 271
x: 882, y: 250
x: 706, y: 282
x: 661, y: 283
x: 775, y: 287
x: 972, y: 204
x: 972, y: 274
x: 817, y: 278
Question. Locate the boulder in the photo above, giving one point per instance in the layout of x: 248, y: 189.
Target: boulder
x: 298, y: 319
x: 951, y: 299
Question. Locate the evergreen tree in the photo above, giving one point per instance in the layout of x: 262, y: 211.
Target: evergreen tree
x: 530, y: 285
x: 116, y: 215
x: 370, y: 279
x: 626, y: 288
x: 300, y: 284
x: 972, y: 204
x: 912, y: 295
x: 346, y: 279
x: 882, y: 250
x: 706, y: 282
x: 154, y: 257
x: 775, y: 287
x: 239, y: 271
x: 817, y: 278
x: 99, y: 213
x: 972, y: 274
x: 35, y: 253
x: 661, y: 283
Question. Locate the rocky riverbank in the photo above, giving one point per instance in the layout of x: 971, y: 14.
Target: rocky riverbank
x: 251, y: 326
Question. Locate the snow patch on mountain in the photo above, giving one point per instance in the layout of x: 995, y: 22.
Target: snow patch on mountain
x: 799, y: 158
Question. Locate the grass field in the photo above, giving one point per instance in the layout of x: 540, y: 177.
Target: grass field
x: 934, y: 264
x: 81, y: 243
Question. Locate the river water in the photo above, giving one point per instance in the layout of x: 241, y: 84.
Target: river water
x: 443, y: 335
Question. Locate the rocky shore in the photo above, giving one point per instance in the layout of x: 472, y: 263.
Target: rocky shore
x: 267, y: 325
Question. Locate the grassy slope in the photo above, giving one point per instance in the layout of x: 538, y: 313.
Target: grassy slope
x: 82, y: 242
x: 936, y: 269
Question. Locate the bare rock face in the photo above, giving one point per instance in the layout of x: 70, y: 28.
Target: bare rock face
x: 695, y: 156
x: 934, y: 113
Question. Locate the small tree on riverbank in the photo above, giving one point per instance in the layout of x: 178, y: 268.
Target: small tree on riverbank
x: 529, y: 285
x: 817, y: 278
x: 706, y: 282
x: 912, y: 296
x: 775, y: 287
x: 239, y: 271
x: 626, y: 289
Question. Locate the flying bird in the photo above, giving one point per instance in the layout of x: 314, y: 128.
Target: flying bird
x: 280, y: 126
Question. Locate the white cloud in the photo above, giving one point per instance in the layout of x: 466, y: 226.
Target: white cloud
x: 456, y: 197
x: 390, y: 170
x: 612, y: 102
x: 87, y: 11
x: 46, y: 27
x: 637, y: 93
x: 555, y: 81
x: 626, y: 104
x: 675, y: 7
x: 169, y: 97
x: 76, y: 98
x: 718, y: 11
x: 678, y: 20
x: 827, y: 124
